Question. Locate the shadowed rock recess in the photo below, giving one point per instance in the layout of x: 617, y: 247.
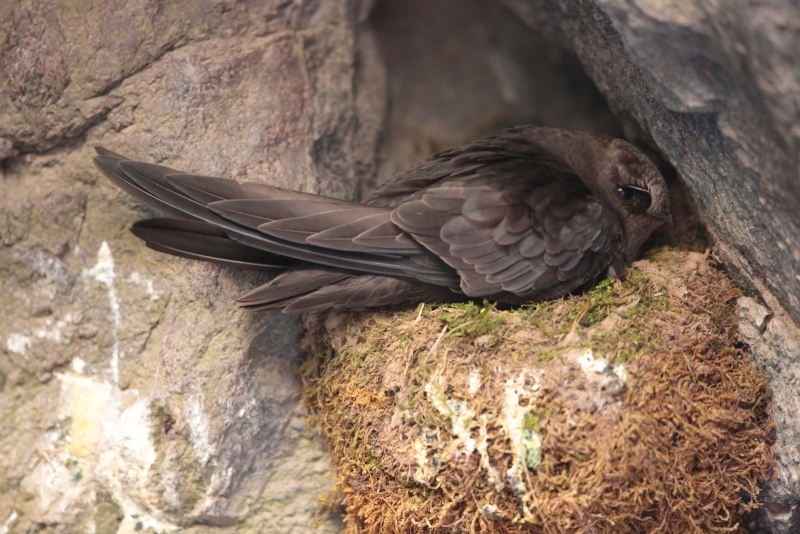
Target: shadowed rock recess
x: 135, y: 397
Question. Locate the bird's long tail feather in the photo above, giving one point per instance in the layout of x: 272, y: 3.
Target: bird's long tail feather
x: 260, y: 223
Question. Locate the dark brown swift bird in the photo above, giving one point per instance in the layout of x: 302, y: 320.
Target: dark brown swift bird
x: 524, y: 215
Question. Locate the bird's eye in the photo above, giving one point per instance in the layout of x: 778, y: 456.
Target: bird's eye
x: 625, y: 193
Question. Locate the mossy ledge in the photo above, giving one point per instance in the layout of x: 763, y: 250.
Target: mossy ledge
x: 629, y: 408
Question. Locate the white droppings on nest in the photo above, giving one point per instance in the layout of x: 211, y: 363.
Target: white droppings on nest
x: 473, y: 382
x: 423, y: 472
x: 489, y: 511
x: 607, y: 381
x: 526, y: 444
x: 457, y: 411
x: 462, y: 418
x: 493, y: 477
x: 589, y: 364
x: 520, y: 393
x: 598, y: 368
x: 621, y: 371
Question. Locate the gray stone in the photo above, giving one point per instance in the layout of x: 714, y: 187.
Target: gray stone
x: 773, y: 343
x: 134, y: 393
x: 714, y: 87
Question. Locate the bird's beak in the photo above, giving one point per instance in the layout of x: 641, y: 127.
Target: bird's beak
x: 668, y: 219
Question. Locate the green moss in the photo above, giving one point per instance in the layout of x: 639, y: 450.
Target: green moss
x: 431, y: 470
x: 409, y: 405
x: 470, y: 319
x: 534, y: 417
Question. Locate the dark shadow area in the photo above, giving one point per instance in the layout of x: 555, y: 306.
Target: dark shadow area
x: 460, y: 69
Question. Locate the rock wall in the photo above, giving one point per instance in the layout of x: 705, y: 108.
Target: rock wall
x: 133, y: 393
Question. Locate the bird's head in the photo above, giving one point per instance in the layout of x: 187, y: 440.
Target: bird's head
x: 635, y: 189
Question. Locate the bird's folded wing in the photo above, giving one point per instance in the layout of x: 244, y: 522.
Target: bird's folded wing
x: 312, y: 289
x: 313, y: 228
x: 288, y: 285
x: 549, y: 242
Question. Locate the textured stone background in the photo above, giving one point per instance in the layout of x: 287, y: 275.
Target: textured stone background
x: 134, y: 394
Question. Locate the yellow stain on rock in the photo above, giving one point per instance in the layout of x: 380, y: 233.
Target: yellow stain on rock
x: 89, y: 398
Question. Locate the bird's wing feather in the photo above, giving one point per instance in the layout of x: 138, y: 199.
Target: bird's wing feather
x: 520, y: 158
x: 109, y: 165
x: 289, y: 285
x: 552, y: 239
x: 327, y: 224
x: 263, y: 217
x: 198, y: 240
x: 504, y: 217
x: 319, y: 289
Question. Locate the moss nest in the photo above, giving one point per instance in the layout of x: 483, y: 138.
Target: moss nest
x: 630, y: 408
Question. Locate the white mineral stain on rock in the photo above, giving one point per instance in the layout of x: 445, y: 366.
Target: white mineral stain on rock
x: 52, y: 332
x: 84, y: 400
x: 136, y: 278
x: 18, y: 343
x: 47, y: 265
x: 5, y: 529
x: 198, y: 426
x: 78, y: 365
x: 106, y: 443
x: 103, y: 272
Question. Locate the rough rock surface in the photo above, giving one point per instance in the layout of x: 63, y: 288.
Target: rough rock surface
x: 773, y: 343
x: 459, y: 69
x: 714, y: 86
x: 133, y: 393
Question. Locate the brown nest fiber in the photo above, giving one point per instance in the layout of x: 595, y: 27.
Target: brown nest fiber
x: 626, y: 409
